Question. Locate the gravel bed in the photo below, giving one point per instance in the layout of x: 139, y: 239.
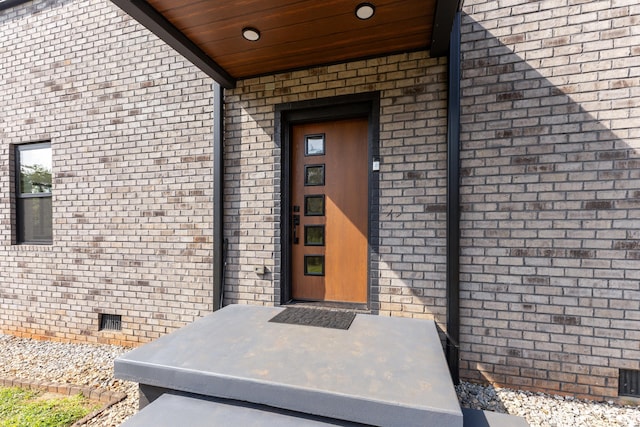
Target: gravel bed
x: 79, y: 364
x: 543, y: 410
x: 92, y: 365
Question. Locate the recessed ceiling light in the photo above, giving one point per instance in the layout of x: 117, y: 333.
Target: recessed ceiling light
x: 365, y: 11
x: 251, y: 34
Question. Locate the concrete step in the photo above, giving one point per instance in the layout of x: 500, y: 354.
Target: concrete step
x: 171, y: 410
x: 477, y: 418
x: 382, y: 371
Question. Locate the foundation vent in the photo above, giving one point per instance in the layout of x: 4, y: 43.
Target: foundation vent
x: 110, y: 322
x: 629, y: 383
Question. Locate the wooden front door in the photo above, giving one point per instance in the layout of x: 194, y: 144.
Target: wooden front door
x: 329, y: 208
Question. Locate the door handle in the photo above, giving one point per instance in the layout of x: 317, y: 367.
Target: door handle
x: 296, y: 223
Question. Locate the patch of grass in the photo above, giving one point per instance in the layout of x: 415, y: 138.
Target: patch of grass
x: 27, y: 408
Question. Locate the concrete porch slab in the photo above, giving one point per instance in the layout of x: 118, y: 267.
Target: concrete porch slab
x: 381, y: 371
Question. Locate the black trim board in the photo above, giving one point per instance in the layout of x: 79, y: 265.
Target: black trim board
x: 317, y: 110
x: 453, y: 206
x: 219, y: 248
x: 146, y: 15
x: 442, y: 25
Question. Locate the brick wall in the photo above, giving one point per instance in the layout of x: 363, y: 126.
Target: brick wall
x: 551, y: 193
x: 130, y: 124
x: 411, y: 258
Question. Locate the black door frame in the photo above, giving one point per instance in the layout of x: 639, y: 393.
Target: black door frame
x: 318, y: 110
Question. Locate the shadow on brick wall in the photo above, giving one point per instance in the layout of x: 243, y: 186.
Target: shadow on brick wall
x: 551, y: 212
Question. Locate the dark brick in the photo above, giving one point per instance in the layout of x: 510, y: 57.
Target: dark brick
x: 627, y: 164
x: 524, y: 160
x: 634, y: 255
x: 556, y: 41
x: 514, y: 39
x: 598, y: 205
x: 540, y: 168
x: 282, y: 91
x: 500, y: 69
x: 538, y: 206
x: 536, y: 280
x: 581, y: 253
x: 510, y: 96
x: 414, y: 175
x: 514, y: 352
x: 612, y: 155
x: 414, y: 90
x: 436, y: 207
x: 535, y: 130
x: 520, y: 252
x: 153, y: 213
x: 566, y: 320
x: 626, y: 245
x: 506, y: 133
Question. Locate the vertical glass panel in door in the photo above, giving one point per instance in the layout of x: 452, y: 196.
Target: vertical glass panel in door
x: 314, y: 145
x: 314, y: 235
x: 313, y: 175
x: 314, y: 265
x: 314, y: 205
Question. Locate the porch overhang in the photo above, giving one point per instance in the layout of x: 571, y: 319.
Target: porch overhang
x: 293, y: 35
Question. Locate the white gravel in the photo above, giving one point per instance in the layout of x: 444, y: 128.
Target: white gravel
x: 92, y: 365
x: 543, y: 410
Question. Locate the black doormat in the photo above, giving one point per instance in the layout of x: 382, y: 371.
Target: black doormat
x: 315, y: 317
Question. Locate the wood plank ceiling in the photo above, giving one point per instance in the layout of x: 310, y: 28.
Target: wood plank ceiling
x: 297, y: 33
x: 294, y: 33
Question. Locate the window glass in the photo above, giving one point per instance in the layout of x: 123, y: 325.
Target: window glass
x: 314, y: 265
x: 35, y: 168
x: 314, y: 235
x: 34, y: 211
x: 314, y: 145
x: 35, y: 220
x: 314, y: 205
x: 313, y: 175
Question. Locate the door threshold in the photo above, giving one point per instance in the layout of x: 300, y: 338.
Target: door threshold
x: 330, y: 305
